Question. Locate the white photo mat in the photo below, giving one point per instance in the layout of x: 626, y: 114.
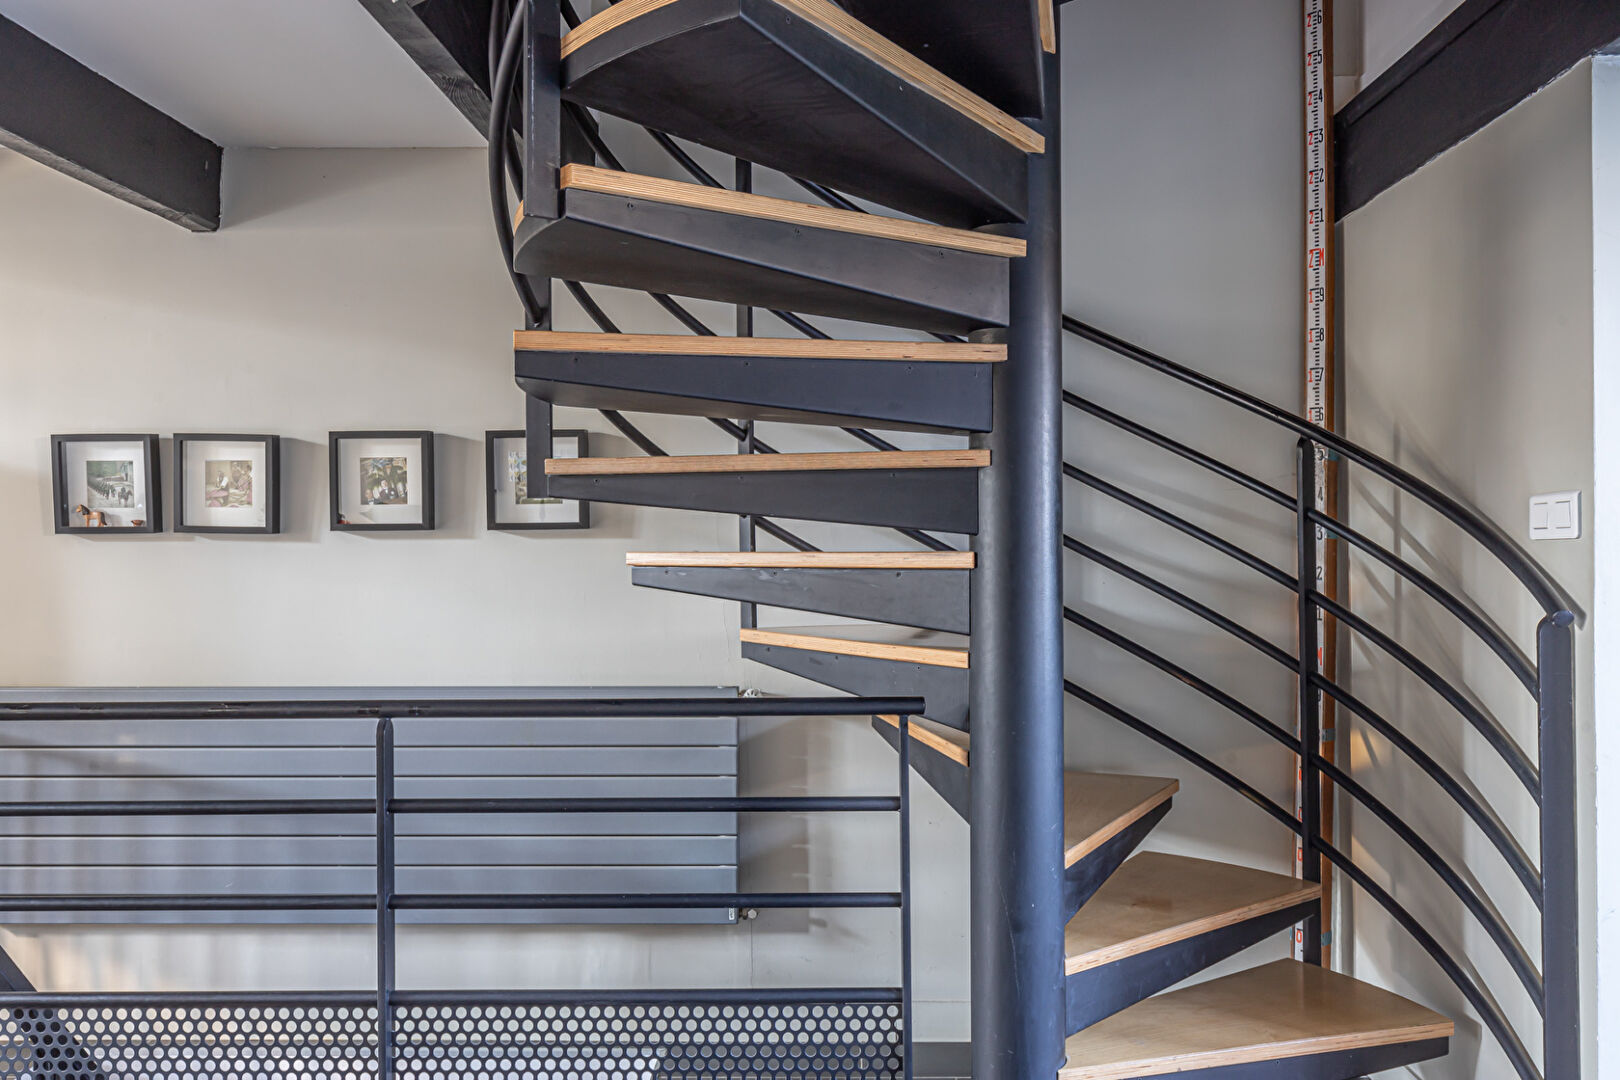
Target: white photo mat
x: 211, y: 504
x: 371, y: 490
x: 511, y: 461
x: 119, y: 485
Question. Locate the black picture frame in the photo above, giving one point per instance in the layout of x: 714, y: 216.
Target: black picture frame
x: 62, y: 512
x: 272, y: 485
x: 491, y: 471
x: 335, y: 441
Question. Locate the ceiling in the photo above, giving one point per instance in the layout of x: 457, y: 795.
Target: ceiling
x: 316, y: 73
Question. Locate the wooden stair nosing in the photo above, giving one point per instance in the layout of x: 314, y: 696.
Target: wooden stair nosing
x: 786, y: 211
x: 860, y: 460
x: 921, y: 352
x: 946, y: 740
x: 858, y: 36
x: 900, y: 652
x: 1274, y: 1012
x: 806, y: 560
x: 1104, y: 805
x: 1155, y: 900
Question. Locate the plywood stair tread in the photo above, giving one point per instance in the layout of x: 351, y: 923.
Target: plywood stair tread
x: 809, y: 215
x: 553, y: 341
x: 806, y: 560
x: 832, y: 19
x: 1099, y: 806
x: 1155, y: 900
x: 874, y: 641
x: 947, y: 740
x: 738, y: 463
x: 1274, y: 1012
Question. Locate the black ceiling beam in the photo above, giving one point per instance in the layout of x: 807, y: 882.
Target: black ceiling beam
x: 60, y: 113
x: 1485, y: 58
x: 449, y: 41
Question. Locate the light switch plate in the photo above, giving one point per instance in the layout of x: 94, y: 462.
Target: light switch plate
x: 1555, y: 516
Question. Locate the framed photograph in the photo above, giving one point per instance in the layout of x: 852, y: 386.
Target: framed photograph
x: 227, y: 484
x: 104, y: 484
x: 506, y: 484
x: 382, y: 481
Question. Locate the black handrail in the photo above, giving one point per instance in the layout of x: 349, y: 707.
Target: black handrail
x: 1552, y: 596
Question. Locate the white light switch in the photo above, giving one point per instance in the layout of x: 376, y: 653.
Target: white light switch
x: 1556, y: 516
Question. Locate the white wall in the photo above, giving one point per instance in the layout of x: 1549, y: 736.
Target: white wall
x: 1371, y: 35
x: 1183, y: 233
x: 1606, y: 529
x: 354, y: 289
x: 1468, y: 358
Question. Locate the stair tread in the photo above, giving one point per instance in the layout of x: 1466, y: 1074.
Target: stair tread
x: 806, y: 560
x: 725, y: 201
x: 947, y: 740
x: 1281, y: 1010
x: 775, y: 348
x: 1157, y: 899
x: 874, y: 46
x: 733, y: 463
x: 1099, y: 806
x: 872, y: 640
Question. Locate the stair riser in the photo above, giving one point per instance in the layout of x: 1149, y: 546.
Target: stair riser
x: 929, y: 599
x: 944, y: 689
x: 659, y: 247
x: 1343, y: 1065
x: 952, y: 779
x: 944, y: 500
x: 888, y: 394
x: 1082, y: 880
x: 839, y: 118
x: 1097, y: 993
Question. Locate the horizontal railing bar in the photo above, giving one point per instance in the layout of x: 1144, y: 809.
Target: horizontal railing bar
x: 1181, y: 524
x: 1489, y: 730
x: 1182, y: 600
x: 1230, y: 779
x: 808, y: 804
x: 463, y: 709
x: 1547, y: 592
x: 1180, y: 449
x: 191, y: 808
x: 64, y: 1000
x: 1182, y: 675
x: 1487, y: 1009
x: 1520, y: 664
x: 637, y: 901
x: 763, y: 995
x: 1512, y: 950
x: 155, y: 902
x: 1494, y: 831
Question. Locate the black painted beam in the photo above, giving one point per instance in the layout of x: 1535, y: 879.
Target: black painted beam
x: 1485, y: 58
x: 58, y: 112
x: 449, y: 41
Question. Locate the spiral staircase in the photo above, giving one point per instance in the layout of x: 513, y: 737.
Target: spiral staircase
x: 945, y: 113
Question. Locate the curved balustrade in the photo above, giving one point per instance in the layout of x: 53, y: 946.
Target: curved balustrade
x: 1549, y: 879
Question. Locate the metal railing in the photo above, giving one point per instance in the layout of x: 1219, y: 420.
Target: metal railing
x: 78, y: 1035
x: 1550, y: 877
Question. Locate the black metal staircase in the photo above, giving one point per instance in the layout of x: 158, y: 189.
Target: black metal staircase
x: 812, y: 90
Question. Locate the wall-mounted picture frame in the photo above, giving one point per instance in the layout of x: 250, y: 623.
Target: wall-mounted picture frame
x: 381, y: 481
x: 105, y: 484
x: 508, y: 507
x: 227, y: 484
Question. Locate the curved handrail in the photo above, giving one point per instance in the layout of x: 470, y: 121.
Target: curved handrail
x: 1548, y: 593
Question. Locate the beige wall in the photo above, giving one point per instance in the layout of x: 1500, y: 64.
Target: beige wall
x: 1468, y: 358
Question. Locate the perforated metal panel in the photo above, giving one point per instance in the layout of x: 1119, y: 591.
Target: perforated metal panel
x: 652, y: 1041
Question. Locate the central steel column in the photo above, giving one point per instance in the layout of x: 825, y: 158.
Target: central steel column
x: 1017, y: 669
